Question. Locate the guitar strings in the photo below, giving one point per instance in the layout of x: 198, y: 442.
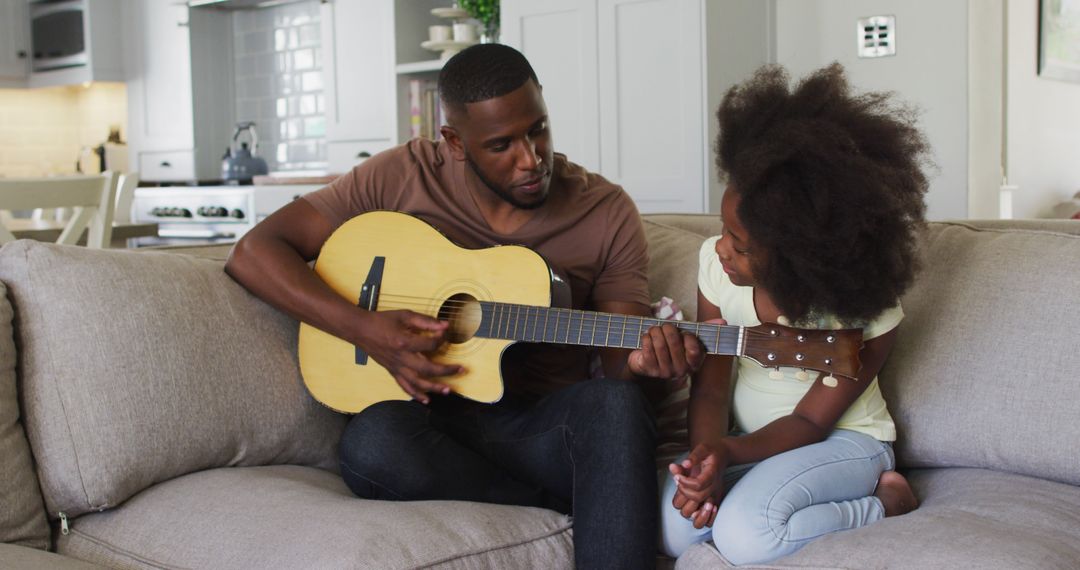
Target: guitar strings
x: 589, y: 323
x: 586, y: 317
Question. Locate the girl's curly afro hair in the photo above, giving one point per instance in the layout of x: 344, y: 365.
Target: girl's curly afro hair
x: 832, y: 188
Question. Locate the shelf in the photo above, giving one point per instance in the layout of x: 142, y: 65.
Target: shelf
x: 419, y: 66
x: 452, y: 13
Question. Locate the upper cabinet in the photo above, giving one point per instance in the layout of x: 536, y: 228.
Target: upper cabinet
x: 559, y: 39
x: 371, y: 54
x: 14, y: 43
x: 357, y: 40
x: 159, y: 76
x: 624, y: 88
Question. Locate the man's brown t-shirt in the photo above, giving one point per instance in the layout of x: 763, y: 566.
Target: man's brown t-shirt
x: 588, y: 231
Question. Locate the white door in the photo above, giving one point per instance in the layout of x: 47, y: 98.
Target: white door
x: 358, y: 40
x: 14, y: 42
x: 559, y: 39
x: 653, y: 120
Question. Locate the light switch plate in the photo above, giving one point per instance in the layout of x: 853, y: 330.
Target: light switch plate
x: 877, y: 36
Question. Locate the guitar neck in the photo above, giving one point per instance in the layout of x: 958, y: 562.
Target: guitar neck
x: 587, y: 328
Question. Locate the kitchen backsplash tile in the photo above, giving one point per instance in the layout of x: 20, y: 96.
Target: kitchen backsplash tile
x: 279, y: 83
x: 43, y: 131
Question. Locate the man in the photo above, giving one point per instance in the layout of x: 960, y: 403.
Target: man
x: 555, y: 440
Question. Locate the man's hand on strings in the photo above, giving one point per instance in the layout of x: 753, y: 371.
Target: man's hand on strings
x: 666, y: 352
x: 399, y: 341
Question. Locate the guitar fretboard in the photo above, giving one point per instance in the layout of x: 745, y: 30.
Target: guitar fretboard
x: 587, y: 328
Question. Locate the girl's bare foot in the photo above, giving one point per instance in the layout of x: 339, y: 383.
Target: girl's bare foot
x: 895, y: 494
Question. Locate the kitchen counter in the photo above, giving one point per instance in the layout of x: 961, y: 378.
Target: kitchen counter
x: 270, y: 180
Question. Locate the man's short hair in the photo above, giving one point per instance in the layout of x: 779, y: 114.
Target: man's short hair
x: 482, y: 72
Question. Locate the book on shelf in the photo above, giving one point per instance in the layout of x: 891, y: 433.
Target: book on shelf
x: 425, y: 112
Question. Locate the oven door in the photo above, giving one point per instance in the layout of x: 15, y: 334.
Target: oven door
x: 193, y: 234
x: 58, y: 35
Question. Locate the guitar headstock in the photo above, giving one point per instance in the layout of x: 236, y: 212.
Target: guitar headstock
x: 834, y: 352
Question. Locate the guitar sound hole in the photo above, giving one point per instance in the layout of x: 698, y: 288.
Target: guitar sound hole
x: 462, y: 311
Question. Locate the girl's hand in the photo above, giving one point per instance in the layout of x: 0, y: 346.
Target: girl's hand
x: 700, y: 483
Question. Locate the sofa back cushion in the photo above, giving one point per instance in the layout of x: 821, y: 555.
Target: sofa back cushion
x: 22, y: 512
x: 138, y: 367
x: 673, y: 263
x: 985, y: 369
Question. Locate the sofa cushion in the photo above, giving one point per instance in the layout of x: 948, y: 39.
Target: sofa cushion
x: 986, y: 369
x: 22, y: 512
x: 969, y: 518
x: 300, y: 517
x: 22, y: 558
x: 141, y: 367
x: 673, y: 264
x: 702, y: 224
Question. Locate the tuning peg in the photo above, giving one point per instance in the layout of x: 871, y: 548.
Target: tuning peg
x: 829, y: 381
x: 802, y: 376
x: 782, y: 320
x: 775, y: 374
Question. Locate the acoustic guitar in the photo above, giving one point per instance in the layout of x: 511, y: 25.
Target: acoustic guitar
x: 493, y: 298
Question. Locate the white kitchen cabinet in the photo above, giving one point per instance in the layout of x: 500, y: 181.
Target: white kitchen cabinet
x: 159, y: 83
x: 180, y: 110
x: 559, y: 39
x: 371, y: 50
x: 14, y: 43
x: 341, y: 156
x: 623, y: 80
x: 357, y: 38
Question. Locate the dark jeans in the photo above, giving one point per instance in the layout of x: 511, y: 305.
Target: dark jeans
x: 586, y: 450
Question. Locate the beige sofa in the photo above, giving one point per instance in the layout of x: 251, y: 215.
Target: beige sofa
x: 152, y: 416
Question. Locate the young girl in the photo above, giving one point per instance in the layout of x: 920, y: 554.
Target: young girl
x: 823, y: 203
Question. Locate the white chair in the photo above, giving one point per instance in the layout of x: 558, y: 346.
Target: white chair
x: 125, y: 195
x: 92, y: 197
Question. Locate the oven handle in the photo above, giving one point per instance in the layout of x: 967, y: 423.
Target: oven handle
x: 196, y: 234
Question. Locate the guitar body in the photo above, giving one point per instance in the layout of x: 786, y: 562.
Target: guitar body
x: 424, y: 272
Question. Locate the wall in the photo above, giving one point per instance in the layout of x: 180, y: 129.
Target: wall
x: 43, y: 130
x: 986, y: 77
x: 738, y: 40
x: 1043, y: 122
x: 279, y: 83
x: 929, y: 70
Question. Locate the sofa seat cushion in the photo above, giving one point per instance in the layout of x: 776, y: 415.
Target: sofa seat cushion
x: 969, y: 518
x: 22, y: 511
x: 303, y: 517
x: 22, y: 558
x: 135, y: 368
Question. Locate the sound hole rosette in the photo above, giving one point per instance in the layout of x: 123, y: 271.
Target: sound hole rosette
x: 461, y: 298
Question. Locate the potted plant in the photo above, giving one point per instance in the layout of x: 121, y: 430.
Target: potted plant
x: 487, y: 13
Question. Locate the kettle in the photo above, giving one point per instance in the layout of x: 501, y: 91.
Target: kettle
x: 240, y: 165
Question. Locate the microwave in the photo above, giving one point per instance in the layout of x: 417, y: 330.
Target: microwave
x: 58, y: 34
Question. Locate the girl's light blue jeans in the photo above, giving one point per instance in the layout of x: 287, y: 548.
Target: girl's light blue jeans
x: 777, y: 506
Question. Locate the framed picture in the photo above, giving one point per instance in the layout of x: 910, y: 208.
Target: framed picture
x: 1059, y: 39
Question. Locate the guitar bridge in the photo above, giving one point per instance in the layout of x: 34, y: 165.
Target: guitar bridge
x: 369, y: 297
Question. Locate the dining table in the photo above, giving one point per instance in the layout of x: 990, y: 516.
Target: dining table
x: 50, y: 230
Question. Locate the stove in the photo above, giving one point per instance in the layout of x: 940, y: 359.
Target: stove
x: 208, y: 214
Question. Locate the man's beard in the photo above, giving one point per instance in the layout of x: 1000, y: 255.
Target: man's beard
x: 502, y: 193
